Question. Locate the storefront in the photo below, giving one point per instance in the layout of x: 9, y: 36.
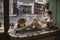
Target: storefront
x: 39, y: 6
x: 18, y: 5
x: 26, y: 7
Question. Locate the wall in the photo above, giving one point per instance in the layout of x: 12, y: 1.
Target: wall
x: 54, y: 6
x: 58, y: 12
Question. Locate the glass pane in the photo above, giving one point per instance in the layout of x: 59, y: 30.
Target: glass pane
x: 29, y: 19
x: 1, y: 17
x: 25, y: 13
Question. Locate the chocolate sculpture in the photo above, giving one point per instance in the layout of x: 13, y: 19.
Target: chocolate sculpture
x: 38, y: 23
x: 35, y: 23
x: 21, y: 24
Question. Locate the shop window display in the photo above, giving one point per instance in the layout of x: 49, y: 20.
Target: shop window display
x: 25, y: 24
x: 28, y: 21
x: 33, y: 22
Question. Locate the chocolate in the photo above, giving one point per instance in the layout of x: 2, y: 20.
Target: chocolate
x: 21, y: 21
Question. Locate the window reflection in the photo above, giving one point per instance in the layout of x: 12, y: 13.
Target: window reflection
x: 1, y: 17
x: 23, y: 8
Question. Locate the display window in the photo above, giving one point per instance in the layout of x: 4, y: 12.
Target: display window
x: 22, y: 16
x: 25, y: 22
